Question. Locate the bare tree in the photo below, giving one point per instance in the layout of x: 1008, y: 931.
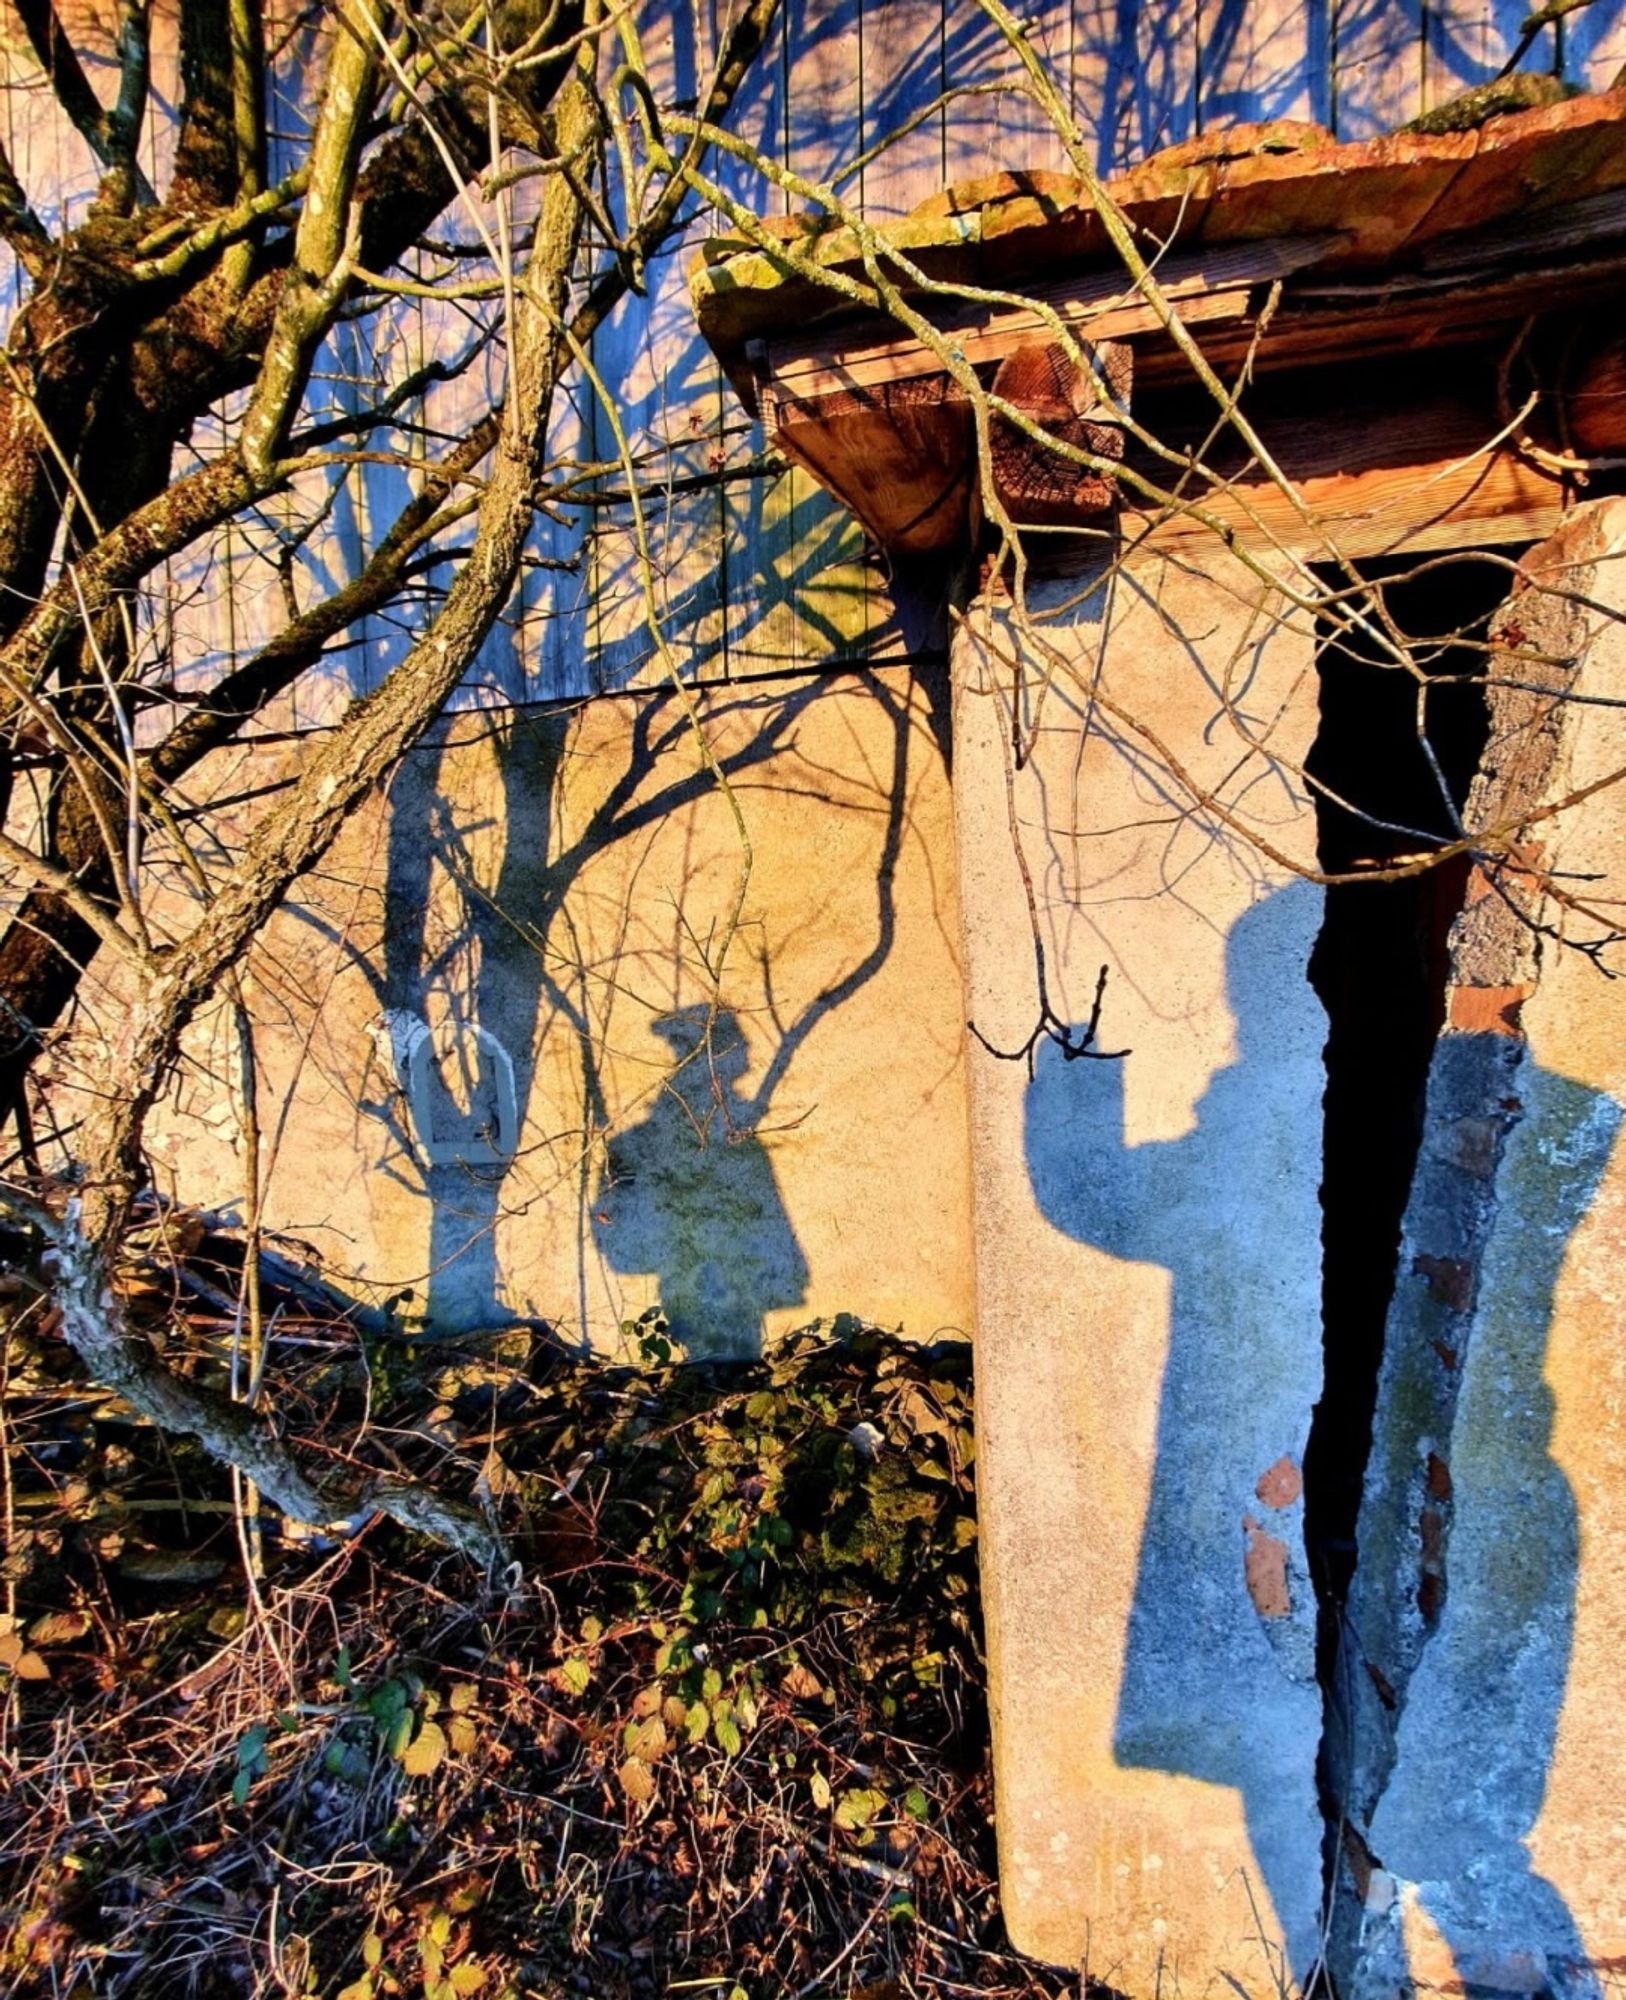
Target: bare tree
x: 145, y: 325
x: 164, y: 383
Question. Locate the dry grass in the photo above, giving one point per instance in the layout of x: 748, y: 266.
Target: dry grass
x: 720, y: 1732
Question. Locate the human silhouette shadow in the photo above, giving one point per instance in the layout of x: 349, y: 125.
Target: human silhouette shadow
x: 1219, y: 1683
x: 689, y: 1196
x: 1211, y: 1687
x: 1475, y: 1664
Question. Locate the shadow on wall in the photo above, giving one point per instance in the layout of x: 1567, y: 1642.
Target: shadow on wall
x: 689, y: 1195
x: 1218, y: 1675
x: 467, y: 993
x: 1459, y: 1763
x: 461, y: 1012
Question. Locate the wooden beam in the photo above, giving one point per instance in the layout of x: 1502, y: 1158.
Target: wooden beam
x: 1098, y: 305
x: 901, y: 456
x: 1595, y: 401
x: 1320, y: 316
x: 1378, y: 473
x: 1040, y: 487
x: 1414, y: 477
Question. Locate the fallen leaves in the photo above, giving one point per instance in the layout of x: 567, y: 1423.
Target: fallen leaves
x: 19, y: 1658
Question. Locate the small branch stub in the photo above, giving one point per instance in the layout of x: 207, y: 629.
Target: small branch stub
x: 1082, y: 406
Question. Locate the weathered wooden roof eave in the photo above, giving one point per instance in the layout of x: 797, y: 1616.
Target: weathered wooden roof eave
x: 1380, y: 204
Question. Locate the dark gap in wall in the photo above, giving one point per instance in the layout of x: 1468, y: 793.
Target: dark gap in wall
x: 1379, y: 968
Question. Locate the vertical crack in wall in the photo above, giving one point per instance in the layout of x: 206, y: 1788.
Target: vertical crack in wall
x: 1403, y: 1803
x: 1380, y: 968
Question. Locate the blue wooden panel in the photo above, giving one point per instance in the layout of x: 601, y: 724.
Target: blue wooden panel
x: 557, y: 586
x: 1006, y: 132
x: 1136, y: 75
x: 1263, y: 59
x: 667, y: 389
x: 1594, y: 44
x: 823, y: 87
x: 902, y: 47
x: 765, y: 575
x: 1377, y: 66
x: 1467, y: 41
x: 758, y: 116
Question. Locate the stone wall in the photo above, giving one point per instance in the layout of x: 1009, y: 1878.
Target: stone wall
x: 1477, y: 1725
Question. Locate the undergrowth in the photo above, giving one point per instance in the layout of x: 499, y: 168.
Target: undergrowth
x: 720, y: 1730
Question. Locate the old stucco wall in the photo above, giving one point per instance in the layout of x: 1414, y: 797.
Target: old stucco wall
x: 544, y: 892
x: 1149, y: 1323
x: 1148, y: 1264
x: 1480, y: 1700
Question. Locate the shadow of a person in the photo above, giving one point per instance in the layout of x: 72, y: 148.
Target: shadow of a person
x: 1476, y: 1660
x: 689, y: 1196
x: 1218, y: 1678
x: 1218, y: 1674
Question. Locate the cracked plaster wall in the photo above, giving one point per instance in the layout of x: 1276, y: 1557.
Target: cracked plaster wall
x: 1148, y: 1268
x: 1149, y: 1334
x: 1477, y: 1742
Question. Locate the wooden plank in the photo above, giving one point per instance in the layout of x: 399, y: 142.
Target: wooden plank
x: 757, y: 115
x: 1417, y: 478
x: 760, y: 542
x: 840, y: 610
x: 1102, y: 81
x: 667, y: 389
x: 1377, y: 59
x: 823, y: 88
x: 1467, y: 41
x: 909, y: 359
x: 810, y: 604
x: 798, y: 590
x: 1005, y: 132
x: 1456, y: 48
x: 1210, y: 285
x: 1577, y: 225
x: 1259, y: 60
x: 1595, y: 398
x: 557, y: 586
x: 902, y: 47
x: 1136, y: 77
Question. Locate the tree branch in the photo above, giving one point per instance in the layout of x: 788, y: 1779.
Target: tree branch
x: 54, y: 52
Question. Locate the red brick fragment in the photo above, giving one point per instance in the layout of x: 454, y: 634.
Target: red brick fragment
x: 1280, y: 1484
x: 1449, y: 1279
x: 1488, y: 1010
x: 1264, y: 1568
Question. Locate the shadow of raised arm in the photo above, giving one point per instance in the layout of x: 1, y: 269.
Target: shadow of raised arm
x: 1088, y: 1183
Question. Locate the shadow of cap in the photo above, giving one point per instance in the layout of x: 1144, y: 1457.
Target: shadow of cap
x: 683, y: 1030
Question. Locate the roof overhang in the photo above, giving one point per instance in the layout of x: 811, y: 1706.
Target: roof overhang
x: 1312, y: 262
